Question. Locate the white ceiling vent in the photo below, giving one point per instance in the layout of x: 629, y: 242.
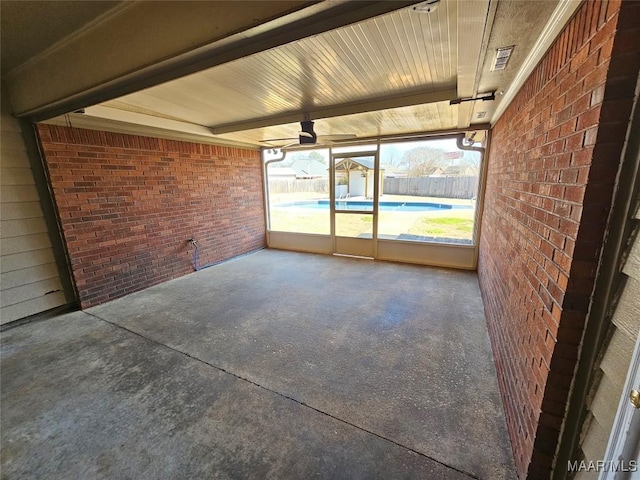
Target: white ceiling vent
x: 502, y: 57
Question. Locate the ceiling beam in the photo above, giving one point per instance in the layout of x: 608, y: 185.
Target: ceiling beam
x: 370, y: 105
x: 172, y: 39
x: 445, y: 133
x: 132, y: 123
x: 116, y: 114
x: 473, y: 32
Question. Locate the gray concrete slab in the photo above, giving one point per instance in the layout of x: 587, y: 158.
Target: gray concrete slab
x: 395, y: 355
x: 398, y: 350
x: 85, y: 399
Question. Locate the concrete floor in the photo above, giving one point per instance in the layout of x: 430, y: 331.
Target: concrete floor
x: 274, y: 365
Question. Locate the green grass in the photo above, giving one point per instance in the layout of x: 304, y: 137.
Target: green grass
x: 464, y: 224
x: 316, y: 222
x: 452, y: 227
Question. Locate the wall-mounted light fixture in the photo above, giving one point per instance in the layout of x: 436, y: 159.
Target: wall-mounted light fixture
x: 502, y: 58
x: 429, y: 6
x: 485, y: 98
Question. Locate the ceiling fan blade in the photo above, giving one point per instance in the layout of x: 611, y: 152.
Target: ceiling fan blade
x: 307, y: 137
x: 338, y: 136
x: 269, y: 140
x: 294, y: 147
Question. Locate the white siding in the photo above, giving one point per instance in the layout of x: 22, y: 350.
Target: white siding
x: 614, y: 364
x: 29, y: 279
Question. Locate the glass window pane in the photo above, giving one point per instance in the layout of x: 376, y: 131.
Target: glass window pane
x: 354, y: 182
x: 362, y: 147
x: 299, y: 192
x: 430, y: 189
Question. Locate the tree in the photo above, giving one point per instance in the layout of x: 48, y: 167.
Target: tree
x: 390, y: 154
x: 318, y: 157
x: 313, y: 155
x: 470, y: 163
x: 423, y: 161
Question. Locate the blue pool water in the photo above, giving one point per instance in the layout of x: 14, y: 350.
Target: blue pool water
x: 364, y: 205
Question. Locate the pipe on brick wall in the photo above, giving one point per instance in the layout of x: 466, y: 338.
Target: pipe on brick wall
x: 197, y: 267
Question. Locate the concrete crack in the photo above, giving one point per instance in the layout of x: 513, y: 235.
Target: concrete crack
x: 282, y: 395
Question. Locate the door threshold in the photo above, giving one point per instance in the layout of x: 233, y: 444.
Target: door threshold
x: 352, y: 256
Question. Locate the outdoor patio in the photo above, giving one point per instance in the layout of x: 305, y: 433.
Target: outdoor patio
x: 273, y: 365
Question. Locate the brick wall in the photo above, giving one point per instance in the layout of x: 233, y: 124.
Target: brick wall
x: 552, y: 168
x: 128, y: 204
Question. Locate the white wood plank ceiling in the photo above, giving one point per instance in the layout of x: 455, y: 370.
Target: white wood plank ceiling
x: 389, y: 75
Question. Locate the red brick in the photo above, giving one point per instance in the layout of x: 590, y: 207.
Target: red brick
x: 596, y: 77
x: 588, y: 66
x: 574, y: 193
x: 536, y: 249
x: 579, y: 58
x: 581, y: 157
x: 604, y: 34
x: 581, y: 103
x: 589, y: 118
x: 568, y: 127
x: 591, y: 21
x: 562, y: 261
x: 575, y: 141
x: 604, y: 53
x: 602, y: 14
x: 141, y: 207
x: 531, y: 240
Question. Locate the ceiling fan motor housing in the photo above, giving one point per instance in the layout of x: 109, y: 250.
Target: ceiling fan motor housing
x: 307, y: 127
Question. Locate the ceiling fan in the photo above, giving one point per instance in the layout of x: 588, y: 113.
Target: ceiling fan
x: 307, y: 136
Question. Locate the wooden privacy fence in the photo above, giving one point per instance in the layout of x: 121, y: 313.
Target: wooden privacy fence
x: 292, y: 185
x: 446, y: 187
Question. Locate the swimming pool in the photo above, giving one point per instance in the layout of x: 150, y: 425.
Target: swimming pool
x: 368, y: 205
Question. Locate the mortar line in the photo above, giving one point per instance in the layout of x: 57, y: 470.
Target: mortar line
x: 299, y: 402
